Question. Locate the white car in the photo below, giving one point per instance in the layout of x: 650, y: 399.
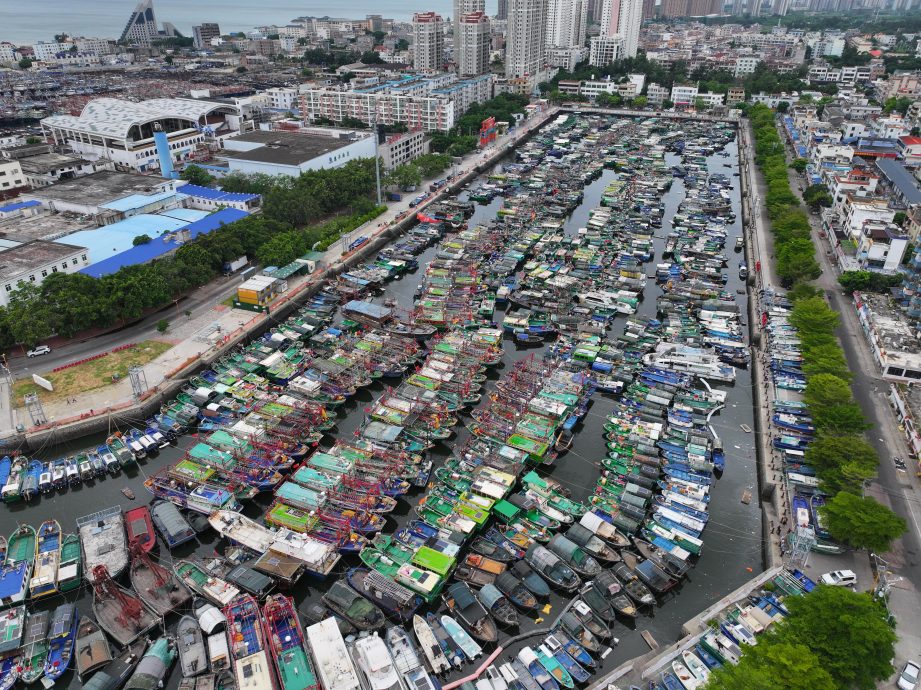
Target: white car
x: 40, y: 350
x: 840, y: 578
x: 908, y: 678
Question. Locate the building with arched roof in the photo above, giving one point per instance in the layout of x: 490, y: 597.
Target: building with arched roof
x: 123, y: 131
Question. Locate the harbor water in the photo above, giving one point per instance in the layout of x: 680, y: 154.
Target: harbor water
x: 733, y: 548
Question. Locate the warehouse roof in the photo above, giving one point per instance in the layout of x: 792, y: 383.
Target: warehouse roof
x: 284, y: 148
x: 214, y: 194
x: 99, y: 188
x: 114, y: 117
x: 901, y: 179
x: 31, y: 255
x: 163, y: 245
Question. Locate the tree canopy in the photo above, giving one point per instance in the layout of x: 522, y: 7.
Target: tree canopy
x: 842, y: 463
x: 862, y: 522
x: 775, y: 666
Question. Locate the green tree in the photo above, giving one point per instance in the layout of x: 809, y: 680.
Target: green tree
x: 817, y: 195
x: 142, y: 239
x: 848, y: 631
x: 772, y: 665
x: 404, y: 176
x: 796, y: 261
x: 831, y: 405
x: 843, y: 463
x: 783, y: 106
x: 800, y: 165
x: 899, y: 218
x: 196, y: 175
x: 25, y: 63
x: 640, y: 102
x: 667, y: 104
x: 862, y: 523
x: 370, y: 57
x: 402, y: 44
x: 827, y: 358
x: 162, y: 325
x: 432, y: 164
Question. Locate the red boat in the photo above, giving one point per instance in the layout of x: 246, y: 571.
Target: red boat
x: 140, y: 527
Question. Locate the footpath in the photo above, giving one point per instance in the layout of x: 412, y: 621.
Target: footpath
x: 204, y: 337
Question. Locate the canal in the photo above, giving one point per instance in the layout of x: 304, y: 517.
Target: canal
x: 732, y: 551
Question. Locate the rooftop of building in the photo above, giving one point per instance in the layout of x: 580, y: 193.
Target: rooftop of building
x: 42, y: 226
x: 48, y: 162
x: 285, y: 148
x: 31, y: 255
x: 99, y: 188
x: 901, y: 179
x: 109, y: 240
x: 895, y: 337
x: 195, y: 190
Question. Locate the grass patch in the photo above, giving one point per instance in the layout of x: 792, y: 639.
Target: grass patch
x: 229, y: 301
x: 90, y: 375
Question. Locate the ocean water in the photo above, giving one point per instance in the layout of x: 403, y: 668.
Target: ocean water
x: 42, y: 19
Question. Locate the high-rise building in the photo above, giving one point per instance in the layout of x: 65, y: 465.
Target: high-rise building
x: 649, y: 9
x: 502, y: 12
x: 524, y: 48
x: 428, y: 42
x: 623, y: 18
x: 202, y: 35
x: 566, y: 23
x: 604, y: 50
x: 462, y: 7
x: 471, y: 44
x: 141, y: 28
x: 594, y: 10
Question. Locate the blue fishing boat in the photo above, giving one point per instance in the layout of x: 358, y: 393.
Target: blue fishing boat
x: 10, y: 670
x: 44, y: 579
x: 61, y: 637
x: 470, y: 648
x: 527, y: 664
x: 711, y: 661
x: 554, y: 647
x: 574, y: 649
x: 31, y: 480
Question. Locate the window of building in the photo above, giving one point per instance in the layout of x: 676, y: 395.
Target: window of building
x: 74, y: 261
x: 64, y: 266
x: 32, y: 278
x: 83, y: 256
x: 8, y: 287
x: 54, y: 269
x: 44, y: 274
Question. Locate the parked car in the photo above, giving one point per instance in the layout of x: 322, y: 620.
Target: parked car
x: 37, y: 351
x: 840, y: 578
x: 908, y: 678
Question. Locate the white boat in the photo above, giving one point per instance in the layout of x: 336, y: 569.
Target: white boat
x: 103, y: 541
x: 333, y: 664
x: 375, y: 662
x: 470, y: 648
x: 695, y: 666
x: 701, y: 362
x: 495, y: 679
x: 688, y: 679
x: 438, y: 662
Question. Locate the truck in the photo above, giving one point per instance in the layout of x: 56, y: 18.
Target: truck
x: 393, y: 196
x: 231, y: 267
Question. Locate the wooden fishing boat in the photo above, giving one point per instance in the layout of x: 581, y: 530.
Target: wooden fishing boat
x: 498, y: 606
x: 382, y: 591
x: 197, y: 578
x: 92, y: 649
x: 346, y: 602
x: 433, y: 652
x: 247, y: 639
x: 462, y: 603
x: 44, y: 579
x: 193, y: 659
x: 35, y: 646
x: 159, y: 588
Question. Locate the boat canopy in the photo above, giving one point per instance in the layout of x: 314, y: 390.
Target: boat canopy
x: 506, y: 510
x: 490, y: 594
x: 369, y: 309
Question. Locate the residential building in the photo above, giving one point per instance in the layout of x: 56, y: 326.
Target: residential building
x: 204, y: 33
x: 467, y: 92
x: 623, y: 18
x: 684, y: 94
x: 893, y: 343
x: 471, y: 44
x: 524, y: 49
x: 32, y: 262
x: 292, y: 153
x: 141, y: 28
x: 910, y: 149
x: 881, y: 246
x: 400, y: 149
x: 8, y: 54
x: 901, y: 84
x: 857, y: 210
x: 429, y: 113
x: 745, y: 64
x: 502, y: 10
x: 859, y: 181
x: 123, y: 131
x: 901, y: 184
x: 42, y: 165
x: 711, y: 100
x: 566, y: 23
x: 46, y: 52
x: 604, y: 50
x: 12, y: 179
x: 428, y: 42
x: 657, y: 94
x: 735, y: 94
x: 462, y: 7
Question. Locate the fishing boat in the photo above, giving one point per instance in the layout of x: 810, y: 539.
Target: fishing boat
x: 12, y: 625
x: 70, y: 566
x: 17, y: 566
x: 433, y: 652
x: 288, y: 645
x: 697, y: 668
x: 193, y: 659
x: 197, y: 578
x: 392, y: 597
x: 102, y: 536
x: 158, y: 587
x: 589, y: 620
x: 463, y: 604
x: 470, y: 648
x: 527, y: 664
x: 114, y: 674
x: 47, y: 560
x: 34, y: 651
x: 92, y: 650
x: 10, y: 669
x: 564, y: 669
x: 574, y: 649
x: 247, y: 639
x: 406, y: 660
x: 118, y: 610
x: 333, y: 663
x: 32, y: 480
x: 522, y: 597
x: 61, y: 637
x: 357, y: 610
x: 550, y: 567
x: 608, y: 586
x: 154, y: 666
x: 530, y: 579
x: 498, y: 606
x: 573, y: 556
x: 374, y: 661
x: 139, y: 527
x: 172, y: 525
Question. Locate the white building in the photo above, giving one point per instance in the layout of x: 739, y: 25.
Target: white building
x: 746, y: 64
x: 11, y: 177
x: 429, y: 113
x: 567, y: 21
x: 657, y: 94
x: 123, y: 131
x: 141, y: 28
x: 282, y: 97
x: 8, y: 54
x: 428, y: 42
x: 684, y: 94
x: 711, y: 100
x: 471, y: 44
x: 605, y: 49
x: 467, y: 92
x: 32, y: 262
x: 400, y: 149
x: 524, y: 48
x: 462, y: 7
x: 293, y: 153
x: 623, y: 18
x: 203, y: 34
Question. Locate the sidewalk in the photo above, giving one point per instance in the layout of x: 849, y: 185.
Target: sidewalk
x: 188, y: 335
